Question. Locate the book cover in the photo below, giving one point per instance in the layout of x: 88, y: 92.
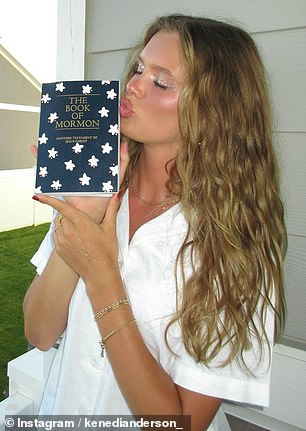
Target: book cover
x: 78, y: 143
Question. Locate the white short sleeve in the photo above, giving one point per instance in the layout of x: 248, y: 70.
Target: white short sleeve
x: 230, y: 382
x: 41, y: 257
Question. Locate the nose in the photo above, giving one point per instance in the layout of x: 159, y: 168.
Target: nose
x: 135, y: 86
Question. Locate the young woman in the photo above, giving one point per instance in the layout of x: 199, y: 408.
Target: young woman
x: 181, y: 275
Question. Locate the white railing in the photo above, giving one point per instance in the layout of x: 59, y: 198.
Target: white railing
x: 27, y: 376
x: 17, y: 206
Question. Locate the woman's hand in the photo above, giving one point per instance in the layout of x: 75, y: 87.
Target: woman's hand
x: 82, y: 243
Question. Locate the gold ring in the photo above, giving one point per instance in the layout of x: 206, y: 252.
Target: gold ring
x: 60, y: 218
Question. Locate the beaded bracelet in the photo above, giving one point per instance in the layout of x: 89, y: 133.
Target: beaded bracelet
x: 111, y: 307
x: 103, y: 341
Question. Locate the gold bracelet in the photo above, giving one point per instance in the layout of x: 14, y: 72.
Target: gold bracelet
x: 103, y: 341
x: 111, y: 307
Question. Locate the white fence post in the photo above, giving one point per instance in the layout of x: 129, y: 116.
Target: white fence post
x: 27, y: 378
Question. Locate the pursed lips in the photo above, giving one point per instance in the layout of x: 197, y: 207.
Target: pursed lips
x: 126, y: 108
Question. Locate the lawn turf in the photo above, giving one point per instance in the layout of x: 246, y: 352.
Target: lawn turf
x: 16, y: 273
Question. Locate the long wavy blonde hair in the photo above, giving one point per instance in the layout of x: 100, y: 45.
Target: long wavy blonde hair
x: 228, y: 179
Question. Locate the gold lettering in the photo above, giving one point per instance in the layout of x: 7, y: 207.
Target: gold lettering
x: 76, y: 100
x: 75, y: 124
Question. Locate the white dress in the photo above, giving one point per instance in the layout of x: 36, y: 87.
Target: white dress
x: 81, y: 382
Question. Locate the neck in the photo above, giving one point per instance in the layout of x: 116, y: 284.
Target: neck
x: 150, y: 176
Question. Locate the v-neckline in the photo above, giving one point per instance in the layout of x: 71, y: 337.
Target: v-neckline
x: 144, y: 225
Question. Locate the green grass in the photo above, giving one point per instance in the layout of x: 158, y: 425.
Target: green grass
x: 16, y: 273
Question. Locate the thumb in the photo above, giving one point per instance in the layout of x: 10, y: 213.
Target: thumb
x: 112, y: 210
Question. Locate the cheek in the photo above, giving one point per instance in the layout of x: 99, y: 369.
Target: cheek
x: 164, y: 107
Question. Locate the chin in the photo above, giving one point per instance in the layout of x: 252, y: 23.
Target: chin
x: 129, y: 134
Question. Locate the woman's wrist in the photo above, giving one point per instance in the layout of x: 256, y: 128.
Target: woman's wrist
x: 104, y: 286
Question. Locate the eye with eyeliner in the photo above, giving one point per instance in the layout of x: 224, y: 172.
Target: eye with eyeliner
x: 158, y: 82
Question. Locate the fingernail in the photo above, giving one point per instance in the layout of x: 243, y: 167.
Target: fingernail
x: 119, y: 194
x: 36, y: 198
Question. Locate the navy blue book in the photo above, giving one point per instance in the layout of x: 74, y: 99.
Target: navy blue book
x: 78, y: 143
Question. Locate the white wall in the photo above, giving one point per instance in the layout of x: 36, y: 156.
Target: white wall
x: 19, y: 112
x: 18, y: 209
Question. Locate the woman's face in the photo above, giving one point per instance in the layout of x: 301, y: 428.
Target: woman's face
x: 149, y: 112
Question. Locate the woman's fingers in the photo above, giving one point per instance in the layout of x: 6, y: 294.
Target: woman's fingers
x: 67, y: 210
x: 109, y: 220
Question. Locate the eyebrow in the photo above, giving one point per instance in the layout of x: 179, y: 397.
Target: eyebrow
x: 158, y: 68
